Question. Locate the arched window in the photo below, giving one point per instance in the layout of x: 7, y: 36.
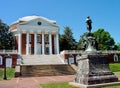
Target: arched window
x: 115, y: 58
x: 1, y: 60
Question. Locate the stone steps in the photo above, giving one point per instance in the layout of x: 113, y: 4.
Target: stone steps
x: 46, y: 70
x: 41, y: 60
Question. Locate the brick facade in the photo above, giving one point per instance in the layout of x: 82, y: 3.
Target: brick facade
x: 14, y: 59
x: 111, y: 57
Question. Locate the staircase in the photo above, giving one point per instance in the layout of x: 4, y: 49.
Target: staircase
x: 43, y: 65
x: 46, y: 70
x: 41, y: 59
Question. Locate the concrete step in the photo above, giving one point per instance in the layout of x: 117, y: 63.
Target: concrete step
x: 41, y: 59
x: 75, y: 67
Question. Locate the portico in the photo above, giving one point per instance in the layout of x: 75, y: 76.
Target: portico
x: 36, y: 35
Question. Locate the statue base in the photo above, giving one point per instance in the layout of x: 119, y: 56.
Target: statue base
x: 94, y: 69
x: 95, y: 85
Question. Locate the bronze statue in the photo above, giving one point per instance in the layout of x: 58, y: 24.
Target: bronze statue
x: 89, y: 24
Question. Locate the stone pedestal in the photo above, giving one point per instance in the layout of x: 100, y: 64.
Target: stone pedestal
x: 94, y: 69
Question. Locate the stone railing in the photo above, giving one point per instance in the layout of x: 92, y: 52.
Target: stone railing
x: 71, y: 52
x: 81, y: 51
x: 8, y: 51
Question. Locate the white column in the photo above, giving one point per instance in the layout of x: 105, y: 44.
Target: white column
x: 19, y: 43
x: 50, y: 43
x: 35, y: 43
x: 57, y: 43
x: 43, y: 44
x: 27, y: 43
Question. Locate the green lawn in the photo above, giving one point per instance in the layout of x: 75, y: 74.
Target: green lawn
x: 57, y: 85
x: 9, y: 72
x: 118, y: 86
x: 115, y: 67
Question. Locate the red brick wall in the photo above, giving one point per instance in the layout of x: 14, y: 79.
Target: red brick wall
x: 23, y: 43
x: 14, y: 59
x: 110, y: 57
x: 32, y: 43
x: 53, y: 44
x: 16, y: 42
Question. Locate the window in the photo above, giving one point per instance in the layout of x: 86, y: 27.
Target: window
x: 115, y: 58
x: 38, y: 38
x: 1, y: 60
x: 39, y: 23
x: 29, y: 37
x: 46, y: 38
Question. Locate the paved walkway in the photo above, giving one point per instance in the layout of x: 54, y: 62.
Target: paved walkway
x: 33, y: 82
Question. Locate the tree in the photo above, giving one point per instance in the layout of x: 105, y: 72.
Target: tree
x: 67, y: 42
x: 80, y: 45
x: 104, y: 39
x: 118, y: 46
x: 6, y: 38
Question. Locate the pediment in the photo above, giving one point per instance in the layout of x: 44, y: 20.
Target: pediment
x: 39, y: 22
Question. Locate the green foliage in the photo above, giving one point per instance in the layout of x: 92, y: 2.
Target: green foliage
x: 80, y: 45
x: 118, y: 46
x: 57, y: 85
x: 6, y: 38
x: 104, y: 39
x: 67, y: 42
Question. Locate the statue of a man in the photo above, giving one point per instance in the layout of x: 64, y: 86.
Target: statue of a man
x: 89, y: 24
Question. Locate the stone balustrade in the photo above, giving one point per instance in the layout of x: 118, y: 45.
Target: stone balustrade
x: 8, y: 51
x: 81, y: 51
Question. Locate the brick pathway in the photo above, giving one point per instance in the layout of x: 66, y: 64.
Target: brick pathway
x: 33, y: 82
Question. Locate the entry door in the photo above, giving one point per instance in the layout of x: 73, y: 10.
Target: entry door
x: 38, y: 48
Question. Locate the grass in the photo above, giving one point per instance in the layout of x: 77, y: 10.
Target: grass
x: 114, y: 67
x: 118, y: 86
x: 57, y: 85
x: 9, y: 73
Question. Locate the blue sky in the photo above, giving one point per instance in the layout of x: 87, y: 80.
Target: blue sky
x: 104, y: 13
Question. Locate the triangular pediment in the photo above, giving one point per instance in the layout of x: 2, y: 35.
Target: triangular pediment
x: 37, y: 21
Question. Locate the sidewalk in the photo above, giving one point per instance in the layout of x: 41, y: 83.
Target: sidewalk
x: 33, y: 82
